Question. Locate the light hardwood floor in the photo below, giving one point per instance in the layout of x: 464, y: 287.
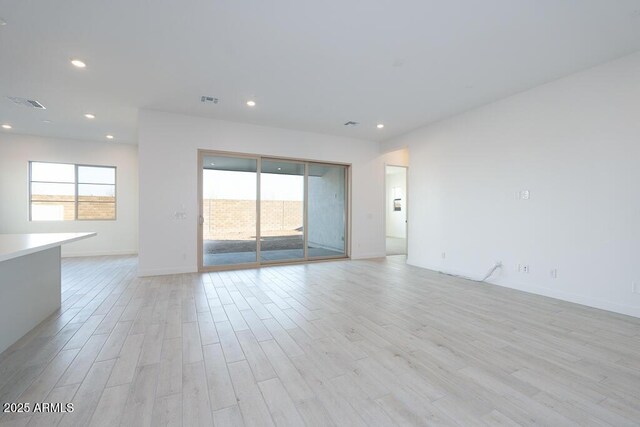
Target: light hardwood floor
x: 352, y: 343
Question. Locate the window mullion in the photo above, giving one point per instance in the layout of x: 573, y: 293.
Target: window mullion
x: 30, y: 192
x: 76, y: 201
x: 63, y: 200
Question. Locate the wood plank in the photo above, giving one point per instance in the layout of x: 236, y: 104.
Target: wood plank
x: 252, y: 406
x: 282, y: 408
x: 221, y: 390
x: 195, y: 396
x: 371, y: 342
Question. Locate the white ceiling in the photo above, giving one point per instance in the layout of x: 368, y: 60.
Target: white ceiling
x: 310, y: 65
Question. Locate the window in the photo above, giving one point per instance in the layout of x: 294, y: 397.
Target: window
x: 68, y: 192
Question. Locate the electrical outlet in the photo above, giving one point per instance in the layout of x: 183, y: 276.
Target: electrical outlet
x: 443, y: 255
x: 554, y: 273
x: 525, y: 268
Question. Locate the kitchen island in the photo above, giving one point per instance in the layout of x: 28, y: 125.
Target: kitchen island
x: 30, y: 279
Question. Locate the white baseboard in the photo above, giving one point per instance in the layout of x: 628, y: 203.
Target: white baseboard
x: 165, y: 271
x: 369, y: 255
x: 576, y: 299
x: 553, y: 293
x: 99, y: 253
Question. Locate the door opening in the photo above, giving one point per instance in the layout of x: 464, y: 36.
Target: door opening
x: 396, y: 210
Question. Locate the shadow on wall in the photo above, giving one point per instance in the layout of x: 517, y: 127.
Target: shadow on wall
x: 326, y: 216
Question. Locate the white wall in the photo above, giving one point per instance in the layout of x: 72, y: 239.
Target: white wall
x: 396, y: 220
x: 168, y: 145
x: 575, y: 145
x: 114, y: 237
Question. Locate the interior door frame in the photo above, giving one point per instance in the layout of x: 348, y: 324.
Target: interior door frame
x: 200, y: 220
x: 406, y: 196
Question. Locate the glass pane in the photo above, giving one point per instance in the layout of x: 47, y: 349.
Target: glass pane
x: 96, y: 210
x: 229, y: 202
x: 52, y: 192
x: 53, y: 172
x: 96, y: 193
x: 96, y: 175
x: 52, y: 211
x: 327, y: 210
x: 281, y: 211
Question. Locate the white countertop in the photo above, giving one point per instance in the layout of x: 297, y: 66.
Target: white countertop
x: 16, y: 245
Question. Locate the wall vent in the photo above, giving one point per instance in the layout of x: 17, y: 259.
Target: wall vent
x: 351, y: 123
x: 207, y: 99
x: 27, y: 102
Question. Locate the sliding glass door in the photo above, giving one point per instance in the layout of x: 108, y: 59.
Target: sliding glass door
x: 281, y: 210
x: 229, y: 210
x: 256, y: 210
x: 327, y: 209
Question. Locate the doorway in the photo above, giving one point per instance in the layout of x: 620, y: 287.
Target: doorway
x: 396, y: 210
x: 258, y: 210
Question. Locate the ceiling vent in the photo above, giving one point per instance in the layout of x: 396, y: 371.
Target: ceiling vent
x: 208, y: 99
x: 351, y: 123
x: 27, y: 102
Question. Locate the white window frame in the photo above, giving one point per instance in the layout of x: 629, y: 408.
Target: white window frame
x: 75, y: 196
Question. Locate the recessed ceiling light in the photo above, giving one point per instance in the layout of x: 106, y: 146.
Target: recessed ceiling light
x: 109, y: 136
x: 6, y: 126
x: 380, y: 126
x: 90, y: 116
x: 251, y: 103
x: 279, y: 169
x: 46, y: 121
x: 213, y: 164
x: 78, y: 63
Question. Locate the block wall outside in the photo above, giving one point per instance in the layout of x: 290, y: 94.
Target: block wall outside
x: 236, y: 219
x: 89, y: 207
